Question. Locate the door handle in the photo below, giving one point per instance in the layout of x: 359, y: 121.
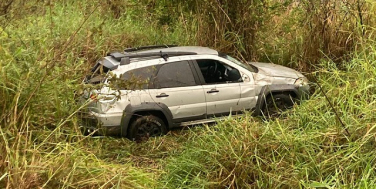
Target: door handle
x: 213, y: 91
x: 162, y: 95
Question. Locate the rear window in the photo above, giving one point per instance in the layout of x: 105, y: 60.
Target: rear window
x: 98, y: 72
x: 97, y: 76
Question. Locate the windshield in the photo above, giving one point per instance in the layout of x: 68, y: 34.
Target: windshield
x: 246, y: 66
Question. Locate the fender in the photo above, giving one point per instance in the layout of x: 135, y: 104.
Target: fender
x: 130, y: 110
x: 267, y: 89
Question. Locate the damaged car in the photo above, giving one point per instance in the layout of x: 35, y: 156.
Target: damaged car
x: 146, y: 91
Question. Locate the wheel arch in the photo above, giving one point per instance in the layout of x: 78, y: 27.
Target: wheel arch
x: 132, y: 112
x: 156, y: 113
x: 269, y: 90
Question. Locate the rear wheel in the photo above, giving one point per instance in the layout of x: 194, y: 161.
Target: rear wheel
x: 146, y: 126
x: 276, y: 104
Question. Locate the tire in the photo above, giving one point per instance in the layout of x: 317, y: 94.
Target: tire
x: 146, y: 126
x: 276, y: 104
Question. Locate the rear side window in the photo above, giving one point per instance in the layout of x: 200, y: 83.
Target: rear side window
x: 177, y: 74
x: 139, y: 78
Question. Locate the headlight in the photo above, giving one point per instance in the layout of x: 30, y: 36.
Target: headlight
x: 302, y: 81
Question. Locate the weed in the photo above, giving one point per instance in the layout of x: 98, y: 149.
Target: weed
x: 46, y: 49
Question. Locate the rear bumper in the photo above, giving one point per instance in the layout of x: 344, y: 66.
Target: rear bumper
x: 102, y: 124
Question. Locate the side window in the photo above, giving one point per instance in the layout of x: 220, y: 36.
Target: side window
x: 177, y: 74
x: 139, y: 78
x: 215, y: 71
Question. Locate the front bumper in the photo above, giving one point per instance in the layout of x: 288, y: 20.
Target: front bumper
x: 303, y: 92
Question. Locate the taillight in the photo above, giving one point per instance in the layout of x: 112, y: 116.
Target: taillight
x: 94, y: 97
x: 107, y: 98
x: 101, y: 97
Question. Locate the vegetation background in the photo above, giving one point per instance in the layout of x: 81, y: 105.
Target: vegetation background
x: 47, y: 46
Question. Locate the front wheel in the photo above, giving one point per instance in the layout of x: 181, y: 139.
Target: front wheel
x: 276, y: 104
x: 146, y: 126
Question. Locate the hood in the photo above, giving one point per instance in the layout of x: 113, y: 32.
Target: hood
x: 275, y: 70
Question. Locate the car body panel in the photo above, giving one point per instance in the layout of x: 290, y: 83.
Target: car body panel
x: 276, y: 70
x: 222, y: 98
x: 248, y: 96
x: 183, y: 102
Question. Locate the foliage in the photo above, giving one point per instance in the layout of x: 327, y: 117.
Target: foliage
x: 308, y: 148
x: 295, y: 33
x: 47, y: 48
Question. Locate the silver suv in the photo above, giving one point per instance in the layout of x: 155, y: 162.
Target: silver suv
x: 162, y: 87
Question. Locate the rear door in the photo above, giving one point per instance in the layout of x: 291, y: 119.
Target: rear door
x: 176, y: 86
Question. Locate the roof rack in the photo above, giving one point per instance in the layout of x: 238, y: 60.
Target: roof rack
x: 148, y: 47
x: 119, y: 56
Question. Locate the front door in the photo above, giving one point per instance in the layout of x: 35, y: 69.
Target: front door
x: 222, y: 95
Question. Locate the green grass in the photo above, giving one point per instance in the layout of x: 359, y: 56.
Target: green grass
x: 306, y: 148
x: 46, y: 51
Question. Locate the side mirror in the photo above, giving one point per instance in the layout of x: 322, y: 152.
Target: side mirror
x: 234, y: 75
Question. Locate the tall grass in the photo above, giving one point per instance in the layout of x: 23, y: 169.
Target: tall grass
x: 307, y: 148
x: 44, y: 58
x: 47, y: 48
x: 293, y: 33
